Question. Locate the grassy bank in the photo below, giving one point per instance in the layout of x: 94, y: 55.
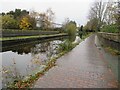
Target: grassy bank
x: 14, y: 33
x: 111, y: 50
x: 30, y: 37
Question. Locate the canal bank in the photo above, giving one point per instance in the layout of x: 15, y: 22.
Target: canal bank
x: 110, y: 43
x: 6, y: 41
x: 109, y: 40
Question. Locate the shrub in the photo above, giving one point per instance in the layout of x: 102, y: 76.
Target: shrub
x: 71, y: 30
x: 8, y: 22
x: 65, y: 46
x: 110, y: 28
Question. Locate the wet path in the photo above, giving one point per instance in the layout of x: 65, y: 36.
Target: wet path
x: 84, y: 67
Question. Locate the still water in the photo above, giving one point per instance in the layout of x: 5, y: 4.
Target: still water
x: 25, y: 59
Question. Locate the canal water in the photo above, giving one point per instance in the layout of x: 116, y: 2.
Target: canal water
x: 19, y: 61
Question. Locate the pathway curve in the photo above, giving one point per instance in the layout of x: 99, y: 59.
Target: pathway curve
x: 84, y: 67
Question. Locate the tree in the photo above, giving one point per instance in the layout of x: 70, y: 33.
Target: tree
x: 2, y: 13
x: 32, y: 20
x: 104, y: 12
x: 71, y: 29
x: 98, y: 11
x: 24, y: 12
x: 18, y: 13
x: 8, y: 22
x: 50, y: 15
x: 43, y: 21
x: 33, y: 14
x: 92, y: 24
x: 46, y: 19
x: 25, y: 23
x: 65, y: 23
x: 117, y: 16
x: 111, y: 11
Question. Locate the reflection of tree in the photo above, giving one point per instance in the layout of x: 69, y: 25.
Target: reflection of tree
x: 10, y: 74
x: 26, y: 47
x: 40, y: 48
x: 52, y: 50
x: 23, y: 49
x: 34, y: 63
x: 41, y: 53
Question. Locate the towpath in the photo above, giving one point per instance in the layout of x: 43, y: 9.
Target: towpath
x: 84, y: 67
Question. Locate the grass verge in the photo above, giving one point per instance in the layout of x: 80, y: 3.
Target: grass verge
x: 111, y: 50
x: 27, y: 37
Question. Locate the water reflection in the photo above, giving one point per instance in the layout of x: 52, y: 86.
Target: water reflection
x: 42, y: 47
x: 27, y: 59
x: 22, y: 60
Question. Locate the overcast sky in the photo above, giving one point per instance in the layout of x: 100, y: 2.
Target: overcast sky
x: 76, y: 10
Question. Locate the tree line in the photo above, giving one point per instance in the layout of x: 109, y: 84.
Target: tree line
x: 27, y: 20
x: 32, y: 20
x: 104, y: 15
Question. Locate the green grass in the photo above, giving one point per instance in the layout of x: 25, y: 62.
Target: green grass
x: 26, y: 37
x: 66, y: 46
x: 112, y: 51
x: 28, y: 31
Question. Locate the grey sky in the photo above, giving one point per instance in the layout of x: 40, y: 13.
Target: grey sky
x: 73, y: 9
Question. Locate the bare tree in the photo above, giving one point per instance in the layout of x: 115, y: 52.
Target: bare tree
x: 46, y: 19
x: 111, y: 11
x: 66, y: 21
x: 33, y: 14
x: 118, y: 16
x: 43, y: 21
x: 98, y: 11
x: 51, y: 16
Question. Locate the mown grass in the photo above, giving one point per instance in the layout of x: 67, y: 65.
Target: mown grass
x: 13, y: 31
x: 27, y: 37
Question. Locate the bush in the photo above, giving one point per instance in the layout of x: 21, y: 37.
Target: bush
x: 27, y: 23
x: 110, y: 28
x: 8, y: 22
x: 65, y: 46
x: 71, y: 30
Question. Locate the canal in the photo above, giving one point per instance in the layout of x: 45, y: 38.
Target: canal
x: 22, y: 60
